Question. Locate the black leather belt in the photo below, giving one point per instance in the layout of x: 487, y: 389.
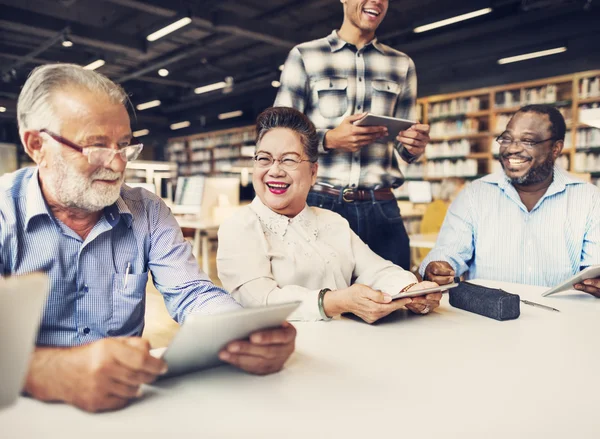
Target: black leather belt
x: 350, y: 195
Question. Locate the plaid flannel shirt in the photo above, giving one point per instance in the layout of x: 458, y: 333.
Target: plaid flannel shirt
x: 328, y: 80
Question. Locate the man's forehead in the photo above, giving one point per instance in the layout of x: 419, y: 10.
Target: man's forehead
x: 529, y: 121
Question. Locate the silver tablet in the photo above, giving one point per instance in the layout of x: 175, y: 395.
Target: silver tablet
x: 198, y: 342
x: 587, y: 273
x: 393, y: 124
x: 22, y: 300
x: 424, y: 292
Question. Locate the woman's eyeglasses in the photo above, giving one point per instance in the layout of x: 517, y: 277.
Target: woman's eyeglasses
x: 286, y: 162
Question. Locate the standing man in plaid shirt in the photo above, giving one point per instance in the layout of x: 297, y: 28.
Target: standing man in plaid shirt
x: 335, y: 80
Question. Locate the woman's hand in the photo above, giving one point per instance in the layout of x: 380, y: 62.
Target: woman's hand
x: 363, y: 301
x: 424, y: 304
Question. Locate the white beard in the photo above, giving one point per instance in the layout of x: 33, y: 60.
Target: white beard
x: 75, y: 190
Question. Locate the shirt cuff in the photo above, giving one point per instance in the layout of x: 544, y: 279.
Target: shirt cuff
x: 321, y: 133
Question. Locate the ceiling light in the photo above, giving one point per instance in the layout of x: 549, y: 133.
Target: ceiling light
x: 210, y: 87
x: 163, y: 72
x: 179, y: 125
x: 66, y: 39
x: 95, y: 65
x: 230, y: 115
x: 275, y: 84
x: 532, y: 55
x: 452, y: 20
x: 281, y: 67
x: 141, y: 133
x: 149, y: 104
x: 168, y: 29
x: 2, y: 109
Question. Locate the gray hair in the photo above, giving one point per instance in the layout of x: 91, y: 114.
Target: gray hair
x: 292, y: 119
x: 34, y: 107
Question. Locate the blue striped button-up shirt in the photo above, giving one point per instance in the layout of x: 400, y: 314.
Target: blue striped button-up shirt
x: 489, y: 232
x: 89, y: 298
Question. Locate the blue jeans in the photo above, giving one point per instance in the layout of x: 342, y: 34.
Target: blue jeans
x: 377, y: 223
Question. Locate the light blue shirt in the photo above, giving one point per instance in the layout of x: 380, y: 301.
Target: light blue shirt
x: 489, y: 232
x: 89, y: 298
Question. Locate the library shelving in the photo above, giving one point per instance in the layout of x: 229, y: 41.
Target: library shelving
x: 464, y: 125
x: 214, y: 153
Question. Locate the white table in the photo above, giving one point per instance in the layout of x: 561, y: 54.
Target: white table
x: 201, y: 231
x: 450, y: 374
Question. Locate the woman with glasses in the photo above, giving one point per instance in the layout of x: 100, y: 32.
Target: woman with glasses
x: 278, y: 249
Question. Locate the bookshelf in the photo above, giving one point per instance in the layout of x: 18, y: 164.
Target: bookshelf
x: 464, y: 126
x: 214, y: 153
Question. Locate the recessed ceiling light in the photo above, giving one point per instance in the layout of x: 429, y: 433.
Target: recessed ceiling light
x: 230, y: 114
x: 2, y: 109
x: 67, y: 43
x: 281, y: 67
x: 275, y: 84
x: 452, y: 20
x: 95, y: 65
x: 210, y: 87
x: 149, y: 104
x: 168, y: 29
x: 140, y: 133
x: 531, y: 55
x: 179, y: 125
x: 163, y: 72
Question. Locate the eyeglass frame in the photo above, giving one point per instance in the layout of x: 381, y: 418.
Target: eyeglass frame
x: 273, y: 160
x: 520, y: 142
x: 87, y: 150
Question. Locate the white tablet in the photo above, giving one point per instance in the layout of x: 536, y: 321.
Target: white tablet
x: 393, y: 124
x: 200, y: 339
x: 587, y: 273
x: 423, y: 292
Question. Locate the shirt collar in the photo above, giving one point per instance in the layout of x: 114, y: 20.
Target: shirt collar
x: 278, y: 224
x: 559, y: 183
x: 36, y: 205
x: 336, y: 43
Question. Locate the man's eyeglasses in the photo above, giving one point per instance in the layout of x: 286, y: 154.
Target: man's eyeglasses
x: 286, y: 162
x: 505, y: 142
x: 100, y: 155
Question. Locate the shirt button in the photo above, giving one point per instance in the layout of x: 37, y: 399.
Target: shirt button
x: 356, y: 159
x: 359, y: 79
x: 85, y: 289
x: 359, y: 107
x: 358, y: 54
x: 86, y: 331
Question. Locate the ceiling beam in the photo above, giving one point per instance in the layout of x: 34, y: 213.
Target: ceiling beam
x: 224, y: 21
x: 29, y: 22
x: 196, y: 49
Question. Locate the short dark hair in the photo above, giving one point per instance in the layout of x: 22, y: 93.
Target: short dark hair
x: 558, y: 127
x: 292, y: 119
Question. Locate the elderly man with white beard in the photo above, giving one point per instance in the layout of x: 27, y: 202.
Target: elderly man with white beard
x: 97, y: 239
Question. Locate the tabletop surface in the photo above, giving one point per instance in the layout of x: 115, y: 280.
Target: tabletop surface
x: 449, y: 374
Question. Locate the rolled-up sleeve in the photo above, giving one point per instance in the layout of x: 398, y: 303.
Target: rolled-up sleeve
x: 455, y: 243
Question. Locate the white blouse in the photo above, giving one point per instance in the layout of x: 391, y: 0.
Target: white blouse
x: 266, y: 258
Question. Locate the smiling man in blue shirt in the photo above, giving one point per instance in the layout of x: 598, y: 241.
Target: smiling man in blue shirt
x: 97, y: 240
x: 531, y: 223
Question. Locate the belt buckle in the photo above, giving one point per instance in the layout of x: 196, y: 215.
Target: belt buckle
x: 345, y: 192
